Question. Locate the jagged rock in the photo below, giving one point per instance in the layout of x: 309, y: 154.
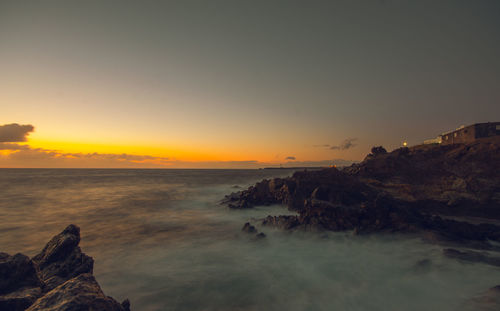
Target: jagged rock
x: 79, y: 293
x: 16, y: 272
x: 282, y: 222
x: 260, y: 194
x: 19, y: 282
x: 248, y: 228
x: 62, y: 259
x: 378, y: 150
x: 59, y: 278
x: 20, y: 299
x: 396, y: 191
x: 126, y: 305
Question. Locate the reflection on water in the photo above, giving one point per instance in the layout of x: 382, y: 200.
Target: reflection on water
x: 160, y: 238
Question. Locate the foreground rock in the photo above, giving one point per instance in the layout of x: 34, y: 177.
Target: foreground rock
x: 62, y: 258
x: 59, y: 278
x: 79, y: 293
x: 19, y: 282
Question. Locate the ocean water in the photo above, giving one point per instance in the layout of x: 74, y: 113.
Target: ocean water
x: 161, y: 239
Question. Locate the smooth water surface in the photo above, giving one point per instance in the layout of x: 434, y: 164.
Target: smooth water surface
x: 161, y: 238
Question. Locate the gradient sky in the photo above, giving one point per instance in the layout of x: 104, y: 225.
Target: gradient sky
x: 241, y: 83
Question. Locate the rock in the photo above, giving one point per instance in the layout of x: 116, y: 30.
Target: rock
x: 19, y: 282
x: 398, y: 191
x: 248, y: 228
x: 20, y: 299
x: 62, y: 259
x: 282, y: 222
x: 16, y: 272
x: 126, y: 305
x: 79, y: 293
x: 59, y: 278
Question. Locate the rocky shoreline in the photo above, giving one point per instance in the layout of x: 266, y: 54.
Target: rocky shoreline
x: 59, y: 278
x: 408, y: 190
x: 429, y: 190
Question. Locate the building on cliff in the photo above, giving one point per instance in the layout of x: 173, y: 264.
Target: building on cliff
x: 465, y: 134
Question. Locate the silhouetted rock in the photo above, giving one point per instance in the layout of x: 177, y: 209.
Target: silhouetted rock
x: 398, y: 191
x: 377, y: 151
x: 282, y: 222
x: 59, y: 278
x: 20, y: 299
x: 248, y: 228
x: 79, y: 293
x: 19, y: 282
x: 62, y: 258
x: 16, y: 272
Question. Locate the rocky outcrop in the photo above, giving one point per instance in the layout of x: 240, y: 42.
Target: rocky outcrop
x: 250, y: 229
x: 406, y: 190
x: 458, y: 179
x: 79, y: 293
x: 58, y: 279
x: 62, y: 259
x: 19, y: 282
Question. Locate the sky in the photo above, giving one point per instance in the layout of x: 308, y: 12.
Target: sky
x: 239, y: 84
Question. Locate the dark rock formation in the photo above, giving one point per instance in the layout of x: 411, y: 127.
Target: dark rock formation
x: 458, y: 179
x: 62, y: 258
x: 400, y: 191
x: 19, y: 282
x: 377, y: 151
x: 79, y: 293
x: 59, y: 278
x: 248, y: 228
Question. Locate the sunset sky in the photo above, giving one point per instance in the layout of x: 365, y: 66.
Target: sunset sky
x: 239, y: 84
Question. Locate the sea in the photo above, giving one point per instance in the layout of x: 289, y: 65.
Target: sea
x: 162, y: 239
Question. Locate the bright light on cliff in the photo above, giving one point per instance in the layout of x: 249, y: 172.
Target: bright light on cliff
x: 405, y: 144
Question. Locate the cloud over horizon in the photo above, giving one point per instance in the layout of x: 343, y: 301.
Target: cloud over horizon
x: 346, y: 144
x: 15, y: 132
x: 13, y: 154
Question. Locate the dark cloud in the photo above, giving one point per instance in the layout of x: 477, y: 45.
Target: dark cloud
x: 346, y: 144
x: 7, y: 146
x: 290, y: 158
x: 14, y: 132
x: 323, y: 146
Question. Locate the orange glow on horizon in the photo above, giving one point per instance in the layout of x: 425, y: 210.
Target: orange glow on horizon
x: 179, y: 153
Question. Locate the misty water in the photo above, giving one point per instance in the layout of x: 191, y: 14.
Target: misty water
x: 161, y: 238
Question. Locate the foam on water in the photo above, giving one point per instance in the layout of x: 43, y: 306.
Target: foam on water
x: 160, y: 238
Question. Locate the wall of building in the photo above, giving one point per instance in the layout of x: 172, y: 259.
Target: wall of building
x: 471, y: 133
x: 463, y: 135
x: 487, y: 129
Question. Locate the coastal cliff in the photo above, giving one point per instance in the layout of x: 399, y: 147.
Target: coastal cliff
x: 59, y: 278
x: 415, y: 189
